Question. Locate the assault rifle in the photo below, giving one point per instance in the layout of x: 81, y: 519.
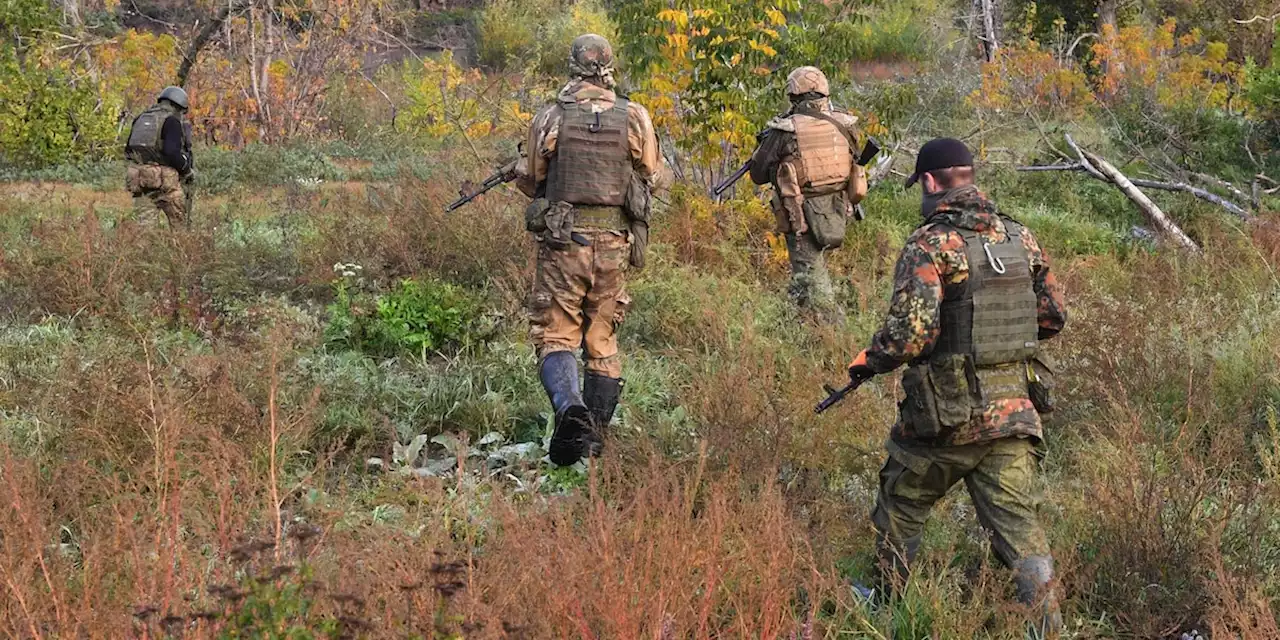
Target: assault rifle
x: 834, y: 396
x: 869, y: 152
x: 742, y: 171
x: 503, y: 175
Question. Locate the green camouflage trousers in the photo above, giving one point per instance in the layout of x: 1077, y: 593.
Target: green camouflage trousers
x: 810, y: 286
x: 1001, y: 476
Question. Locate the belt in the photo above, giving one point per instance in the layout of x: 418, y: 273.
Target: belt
x: 600, y: 217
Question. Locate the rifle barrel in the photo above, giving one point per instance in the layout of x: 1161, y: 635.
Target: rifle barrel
x: 729, y: 182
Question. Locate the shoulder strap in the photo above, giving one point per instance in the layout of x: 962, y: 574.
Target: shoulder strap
x: 848, y: 135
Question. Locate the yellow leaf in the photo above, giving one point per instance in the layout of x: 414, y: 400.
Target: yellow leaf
x: 675, y: 16
x: 775, y: 16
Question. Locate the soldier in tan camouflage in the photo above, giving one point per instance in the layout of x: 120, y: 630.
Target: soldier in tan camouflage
x: 159, y: 156
x: 973, y: 296
x: 589, y: 153
x: 809, y: 156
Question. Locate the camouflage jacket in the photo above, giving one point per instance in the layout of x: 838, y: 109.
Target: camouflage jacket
x: 933, y: 264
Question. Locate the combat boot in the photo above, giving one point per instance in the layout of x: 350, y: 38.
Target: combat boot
x: 559, y: 374
x: 894, y: 561
x: 601, y: 395
x: 1032, y: 577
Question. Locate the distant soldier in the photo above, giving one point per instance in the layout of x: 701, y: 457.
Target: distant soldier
x: 972, y: 297
x: 809, y: 156
x: 159, y: 156
x: 592, y: 158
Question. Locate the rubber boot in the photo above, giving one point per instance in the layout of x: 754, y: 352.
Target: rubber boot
x: 559, y: 374
x: 601, y: 395
x: 1032, y: 576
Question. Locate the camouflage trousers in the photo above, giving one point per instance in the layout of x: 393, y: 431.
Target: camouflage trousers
x: 157, y: 189
x: 1001, y: 476
x: 810, y: 285
x: 579, y: 301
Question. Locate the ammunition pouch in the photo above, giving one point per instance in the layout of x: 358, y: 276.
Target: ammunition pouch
x: 1040, y: 383
x: 638, y: 208
x: 535, y: 215
x: 827, y: 218
x: 558, y: 222
x: 938, y: 396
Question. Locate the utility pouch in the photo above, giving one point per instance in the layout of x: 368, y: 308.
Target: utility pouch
x: 639, y: 243
x: 638, y: 207
x: 949, y: 377
x: 858, y: 187
x: 535, y: 215
x: 826, y: 219
x: 1040, y: 382
x: 559, y: 222
x: 937, y: 396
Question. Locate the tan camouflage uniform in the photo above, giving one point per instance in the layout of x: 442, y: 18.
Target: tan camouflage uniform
x: 579, y: 297
x: 157, y: 189
x: 997, y: 454
x: 777, y: 162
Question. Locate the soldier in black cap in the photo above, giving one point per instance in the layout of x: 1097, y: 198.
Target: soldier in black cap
x: 973, y: 296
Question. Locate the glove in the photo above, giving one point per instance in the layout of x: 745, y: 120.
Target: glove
x: 859, y: 369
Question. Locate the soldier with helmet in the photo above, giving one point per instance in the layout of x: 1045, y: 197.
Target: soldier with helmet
x: 810, y: 157
x: 592, y: 158
x: 159, y: 156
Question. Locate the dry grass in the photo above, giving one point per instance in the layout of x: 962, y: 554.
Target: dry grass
x: 177, y: 430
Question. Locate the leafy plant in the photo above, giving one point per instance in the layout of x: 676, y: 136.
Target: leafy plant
x: 419, y: 316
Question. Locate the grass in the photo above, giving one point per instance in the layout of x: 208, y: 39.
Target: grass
x: 166, y: 398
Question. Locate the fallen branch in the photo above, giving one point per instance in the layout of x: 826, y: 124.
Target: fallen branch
x: 1106, y: 172
x: 1084, y: 162
x: 1256, y: 18
x: 1197, y: 192
x: 1235, y: 192
x: 1149, y: 208
x: 1075, y: 166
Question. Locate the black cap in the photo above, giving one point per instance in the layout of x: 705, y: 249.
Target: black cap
x: 940, y: 153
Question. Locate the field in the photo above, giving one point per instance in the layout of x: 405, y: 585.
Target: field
x: 315, y: 412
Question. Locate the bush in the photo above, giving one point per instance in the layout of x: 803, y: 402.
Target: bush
x: 533, y: 36
x: 420, y: 316
x: 46, y: 117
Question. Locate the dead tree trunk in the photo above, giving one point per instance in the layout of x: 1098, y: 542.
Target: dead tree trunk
x: 204, y: 35
x: 990, y: 39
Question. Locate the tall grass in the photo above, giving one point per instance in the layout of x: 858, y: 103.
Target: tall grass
x: 167, y: 403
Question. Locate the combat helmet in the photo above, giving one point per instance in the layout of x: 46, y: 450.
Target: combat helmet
x: 807, y: 80
x: 591, y: 56
x: 175, y: 95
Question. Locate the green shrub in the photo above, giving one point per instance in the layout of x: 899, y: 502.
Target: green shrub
x: 48, y: 117
x: 534, y: 35
x: 419, y: 316
x: 259, y: 165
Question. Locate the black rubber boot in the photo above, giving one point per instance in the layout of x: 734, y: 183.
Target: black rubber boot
x: 1033, y: 577
x: 559, y: 373
x: 601, y: 395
